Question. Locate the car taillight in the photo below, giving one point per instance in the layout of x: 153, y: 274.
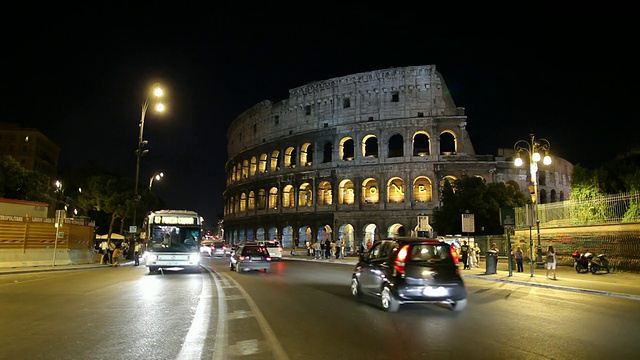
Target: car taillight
x: 401, y: 258
x: 268, y: 258
x: 241, y: 258
x: 454, y: 255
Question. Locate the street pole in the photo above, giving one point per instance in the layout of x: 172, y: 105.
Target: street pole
x: 157, y: 91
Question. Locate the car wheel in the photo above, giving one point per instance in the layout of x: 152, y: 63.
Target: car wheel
x: 355, y: 288
x: 388, y: 301
x: 458, y: 305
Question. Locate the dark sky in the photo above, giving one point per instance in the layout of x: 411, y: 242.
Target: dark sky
x: 80, y: 75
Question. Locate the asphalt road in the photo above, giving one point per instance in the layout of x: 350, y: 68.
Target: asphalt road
x: 299, y: 310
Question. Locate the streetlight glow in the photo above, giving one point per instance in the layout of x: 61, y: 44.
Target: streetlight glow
x: 533, y: 148
x: 155, y: 91
x: 156, y: 177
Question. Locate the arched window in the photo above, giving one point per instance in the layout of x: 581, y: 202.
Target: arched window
x: 396, y: 146
x: 421, y: 144
x: 306, y: 154
x: 347, y: 192
x: 273, y: 198
x: 324, y: 193
x: 347, y: 149
x: 243, y: 202
x: 262, y: 166
x: 275, y: 161
x: 448, y: 143
x: 370, y: 191
x: 305, y: 195
x: 253, y: 166
x: 370, y: 146
x: 422, y: 189
x: 252, y: 200
x: 262, y: 199
x: 288, y: 197
x: 327, y: 152
x: 395, y: 190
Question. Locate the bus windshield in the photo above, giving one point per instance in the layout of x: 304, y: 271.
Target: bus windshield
x: 166, y: 238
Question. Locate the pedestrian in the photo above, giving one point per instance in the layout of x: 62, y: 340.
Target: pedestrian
x: 476, y: 252
x: 110, y: 249
x: 104, y: 250
x: 519, y: 259
x: 115, y: 256
x: 327, y: 249
x: 136, y: 254
x: 464, y: 252
x: 369, y: 244
x: 551, y: 262
x: 472, y: 258
x: 494, y: 251
x: 317, y: 249
x: 332, y: 254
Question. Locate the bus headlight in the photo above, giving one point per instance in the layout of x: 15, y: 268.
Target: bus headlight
x: 152, y: 257
x: 194, y: 258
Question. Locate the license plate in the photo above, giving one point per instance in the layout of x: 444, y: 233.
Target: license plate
x: 435, y: 291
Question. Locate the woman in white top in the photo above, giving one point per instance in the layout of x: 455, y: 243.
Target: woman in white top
x: 551, y: 261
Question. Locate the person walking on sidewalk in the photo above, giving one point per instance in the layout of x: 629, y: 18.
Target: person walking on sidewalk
x: 115, y: 256
x: 317, y: 250
x: 136, y: 253
x: 464, y: 251
x: 472, y: 259
x: 519, y: 259
x: 551, y: 261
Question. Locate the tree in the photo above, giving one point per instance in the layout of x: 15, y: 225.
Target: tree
x: 108, y: 193
x: 472, y: 194
x: 18, y: 183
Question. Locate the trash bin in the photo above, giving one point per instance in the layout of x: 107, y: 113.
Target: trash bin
x: 492, y: 262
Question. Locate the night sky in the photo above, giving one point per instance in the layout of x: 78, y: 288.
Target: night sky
x: 80, y: 76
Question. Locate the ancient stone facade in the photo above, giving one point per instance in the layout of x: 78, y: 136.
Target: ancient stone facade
x: 356, y: 158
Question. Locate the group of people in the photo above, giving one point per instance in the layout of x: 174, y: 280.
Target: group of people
x: 551, y: 261
x: 469, y: 255
x: 327, y: 249
x: 111, y: 253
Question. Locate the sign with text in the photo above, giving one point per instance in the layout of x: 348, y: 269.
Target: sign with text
x: 468, y: 223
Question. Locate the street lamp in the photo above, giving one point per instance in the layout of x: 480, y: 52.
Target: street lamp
x: 533, y: 148
x: 157, y: 92
x: 156, y: 177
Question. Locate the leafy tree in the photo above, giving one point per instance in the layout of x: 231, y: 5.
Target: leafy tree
x: 474, y: 195
x: 18, y: 183
x: 108, y: 193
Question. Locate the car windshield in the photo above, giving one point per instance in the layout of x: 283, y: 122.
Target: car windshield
x: 429, y: 252
x: 272, y: 244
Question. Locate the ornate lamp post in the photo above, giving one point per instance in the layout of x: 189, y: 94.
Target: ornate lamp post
x: 156, y: 177
x: 534, y: 148
x: 140, y: 151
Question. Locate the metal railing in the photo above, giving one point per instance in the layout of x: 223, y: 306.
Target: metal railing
x: 595, y: 211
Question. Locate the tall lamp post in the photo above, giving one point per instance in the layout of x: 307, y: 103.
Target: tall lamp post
x: 155, y: 177
x: 140, y: 151
x: 533, y: 148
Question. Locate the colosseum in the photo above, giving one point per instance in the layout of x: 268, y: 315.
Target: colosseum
x: 356, y: 158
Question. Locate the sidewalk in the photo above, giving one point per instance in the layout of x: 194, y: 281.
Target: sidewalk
x: 617, y: 284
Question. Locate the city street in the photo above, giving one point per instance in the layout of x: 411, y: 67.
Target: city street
x: 299, y: 310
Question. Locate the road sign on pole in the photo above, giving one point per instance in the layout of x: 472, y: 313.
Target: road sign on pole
x: 468, y: 223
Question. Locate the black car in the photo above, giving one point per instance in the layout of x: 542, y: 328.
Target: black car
x: 408, y: 270
x: 250, y: 256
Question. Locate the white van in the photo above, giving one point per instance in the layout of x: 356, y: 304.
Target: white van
x: 274, y: 248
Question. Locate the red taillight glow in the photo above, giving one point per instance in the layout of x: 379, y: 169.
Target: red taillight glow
x: 454, y: 255
x: 401, y: 258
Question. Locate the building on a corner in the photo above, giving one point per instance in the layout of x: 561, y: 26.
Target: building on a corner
x: 356, y: 158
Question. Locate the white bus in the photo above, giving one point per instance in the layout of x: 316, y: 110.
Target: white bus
x: 173, y: 240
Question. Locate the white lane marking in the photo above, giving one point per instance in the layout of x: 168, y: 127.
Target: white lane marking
x: 220, y: 346
x: 272, y: 340
x: 195, y: 340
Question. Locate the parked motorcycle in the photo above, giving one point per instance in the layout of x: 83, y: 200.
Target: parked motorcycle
x: 584, y: 263
x: 580, y: 262
x: 599, y: 263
